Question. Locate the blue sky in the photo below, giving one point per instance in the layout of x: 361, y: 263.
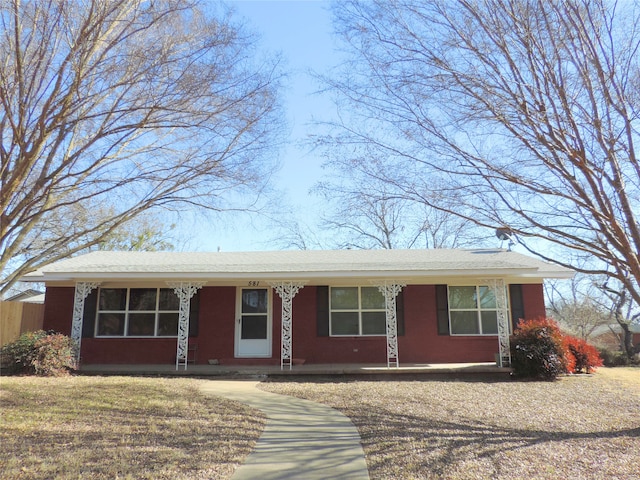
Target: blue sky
x: 301, y: 31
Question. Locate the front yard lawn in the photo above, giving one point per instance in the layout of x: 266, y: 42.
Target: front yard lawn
x: 427, y: 427
x: 120, y: 428
x: 585, y: 427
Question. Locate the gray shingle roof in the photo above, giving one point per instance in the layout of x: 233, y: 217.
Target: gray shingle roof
x: 299, y: 264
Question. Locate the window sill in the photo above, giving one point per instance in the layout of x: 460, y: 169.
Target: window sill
x: 359, y: 337
x: 133, y: 337
x: 487, y: 335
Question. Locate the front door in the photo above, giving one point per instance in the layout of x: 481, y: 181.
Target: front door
x: 253, y: 323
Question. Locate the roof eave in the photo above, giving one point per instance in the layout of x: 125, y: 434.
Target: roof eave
x: 529, y: 273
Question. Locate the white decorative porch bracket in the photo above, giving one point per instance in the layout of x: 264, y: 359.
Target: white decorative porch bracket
x: 83, y: 289
x: 390, y: 290
x: 184, y: 291
x: 287, y: 290
x: 499, y: 290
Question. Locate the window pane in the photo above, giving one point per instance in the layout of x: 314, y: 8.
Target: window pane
x: 487, y: 298
x: 254, y: 327
x: 344, y: 298
x: 464, y: 323
x: 141, y: 324
x: 113, y: 298
x: 374, y: 323
x: 344, y: 323
x: 168, y: 300
x: 489, y: 323
x: 167, y: 324
x: 142, y: 299
x: 462, y: 297
x: 110, y: 324
x: 372, y: 299
x: 254, y: 300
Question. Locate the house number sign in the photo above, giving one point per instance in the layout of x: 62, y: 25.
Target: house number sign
x: 254, y: 283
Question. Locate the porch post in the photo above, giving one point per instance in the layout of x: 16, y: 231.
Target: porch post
x: 390, y: 290
x: 286, y: 290
x: 184, y: 291
x: 499, y: 289
x: 82, y: 291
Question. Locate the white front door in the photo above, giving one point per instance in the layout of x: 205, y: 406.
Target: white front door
x: 253, y: 322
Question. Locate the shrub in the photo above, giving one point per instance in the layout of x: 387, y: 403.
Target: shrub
x: 585, y: 357
x: 611, y: 358
x: 16, y: 355
x: 538, y: 350
x: 617, y: 358
x: 40, y: 353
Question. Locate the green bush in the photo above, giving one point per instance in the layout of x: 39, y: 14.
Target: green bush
x: 40, y: 353
x: 616, y: 358
x: 538, y: 350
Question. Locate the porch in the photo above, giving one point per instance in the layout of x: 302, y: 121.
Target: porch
x: 313, y: 369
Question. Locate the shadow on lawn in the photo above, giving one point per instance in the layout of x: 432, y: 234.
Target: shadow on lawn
x: 441, y: 441
x: 109, y: 429
x: 437, y: 444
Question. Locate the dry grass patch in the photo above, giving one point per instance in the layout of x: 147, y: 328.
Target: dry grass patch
x: 627, y: 378
x: 120, y: 428
x: 585, y: 427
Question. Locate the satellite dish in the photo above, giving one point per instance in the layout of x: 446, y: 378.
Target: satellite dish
x: 503, y: 233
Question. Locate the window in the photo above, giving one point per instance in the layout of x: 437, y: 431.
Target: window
x: 473, y: 311
x: 357, y: 311
x: 137, y: 312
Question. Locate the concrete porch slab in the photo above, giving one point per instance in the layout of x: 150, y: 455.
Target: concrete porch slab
x: 272, y: 370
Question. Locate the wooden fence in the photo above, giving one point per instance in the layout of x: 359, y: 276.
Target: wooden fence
x: 17, y: 318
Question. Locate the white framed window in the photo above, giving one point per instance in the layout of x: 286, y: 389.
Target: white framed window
x: 357, y: 311
x: 137, y: 312
x: 473, y: 310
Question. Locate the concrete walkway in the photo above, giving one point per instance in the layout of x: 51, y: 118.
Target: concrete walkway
x: 302, y: 439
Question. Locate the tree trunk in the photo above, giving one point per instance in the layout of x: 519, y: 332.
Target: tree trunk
x: 627, y: 338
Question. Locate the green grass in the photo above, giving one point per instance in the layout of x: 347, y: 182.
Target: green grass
x: 585, y: 427
x: 120, y: 428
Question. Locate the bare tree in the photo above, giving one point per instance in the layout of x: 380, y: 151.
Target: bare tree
x: 145, y: 233
x: 361, y: 213
x: 580, y: 308
x: 591, y: 302
x: 109, y: 109
x: 625, y: 312
x: 527, y: 109
x: 292, y: 233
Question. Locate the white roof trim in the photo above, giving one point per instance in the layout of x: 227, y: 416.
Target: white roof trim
x: 290, y: 265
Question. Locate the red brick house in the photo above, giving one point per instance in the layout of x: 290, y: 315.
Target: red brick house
x: 321, y: 307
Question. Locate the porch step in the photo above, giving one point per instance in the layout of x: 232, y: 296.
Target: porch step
x: 249, y: 361
x: 256, y: 361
